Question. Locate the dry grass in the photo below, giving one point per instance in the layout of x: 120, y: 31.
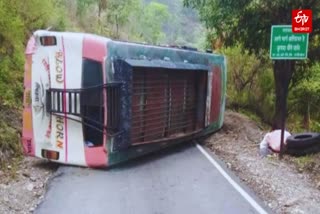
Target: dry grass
x: 309, y: 164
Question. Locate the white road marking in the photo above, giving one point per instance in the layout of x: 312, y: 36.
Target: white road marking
x: 251, y: 201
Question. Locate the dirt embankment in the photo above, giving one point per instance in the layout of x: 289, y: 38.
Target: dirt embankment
x: 22, y: 180
x: 22, y: 185
x: 284, y: 185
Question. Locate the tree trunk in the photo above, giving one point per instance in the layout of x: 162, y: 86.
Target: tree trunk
x: 102, y: 5
x: 282, y: 70
x: 99, y: 18
x: 117, y: 28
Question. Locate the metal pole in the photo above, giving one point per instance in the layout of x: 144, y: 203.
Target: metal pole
x: 287, y: 68
x: 283, y: 124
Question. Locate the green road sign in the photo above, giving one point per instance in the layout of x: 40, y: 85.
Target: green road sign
x: 287, y: 45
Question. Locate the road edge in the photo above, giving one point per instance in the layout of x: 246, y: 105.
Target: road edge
x: 227, y: 175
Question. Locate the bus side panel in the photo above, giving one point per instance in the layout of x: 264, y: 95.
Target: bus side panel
x: 216, y: 95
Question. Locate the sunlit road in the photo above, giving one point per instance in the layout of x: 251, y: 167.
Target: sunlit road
x: 181, y: 180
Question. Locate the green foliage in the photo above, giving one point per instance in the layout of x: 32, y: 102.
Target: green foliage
x: 18, y: 20
x: 156, y: 22
x: 154, y: 17
x: 315, y: 126
x: 9, y: 142
x: 308, y: 89
x: 251, y: 87
x: 304, y: 97
x: 183, y: 27
x: 119, y: 13
x: 305, y: 163
x: 11, y: 46
x: 250, y: 82
x: 82, y: 6
x: 249, y: 21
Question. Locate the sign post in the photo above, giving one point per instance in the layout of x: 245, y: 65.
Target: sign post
x: 286, y: 45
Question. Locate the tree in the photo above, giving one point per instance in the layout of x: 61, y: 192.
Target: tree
x: 249, y: 22
x: 82, y: 6
x: 184, y: 27
x: 102, y: 5
x: 118, y: 13
x: 155, y: 15
x: 306, y: 97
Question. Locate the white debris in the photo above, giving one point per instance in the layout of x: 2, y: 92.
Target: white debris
x: 271, y: 142
x: 30, y: 187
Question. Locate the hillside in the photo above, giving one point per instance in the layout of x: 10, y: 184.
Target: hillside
x: 184, y: 27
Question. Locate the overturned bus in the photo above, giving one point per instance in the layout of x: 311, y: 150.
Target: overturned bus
x: 92, y: 101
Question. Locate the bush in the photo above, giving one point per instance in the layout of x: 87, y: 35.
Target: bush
x: 250, y: 82
x: 9, y: 143
x: 251, y: 87
x: 304, y: 98
x: 18, y: 20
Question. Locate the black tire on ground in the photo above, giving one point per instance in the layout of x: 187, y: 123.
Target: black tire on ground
x: 303, y: 140
x: 303, y: 151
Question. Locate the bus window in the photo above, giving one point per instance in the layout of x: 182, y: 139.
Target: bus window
x: 92, y: 102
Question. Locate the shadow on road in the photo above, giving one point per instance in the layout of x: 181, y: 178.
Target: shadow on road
x: 153, y: 156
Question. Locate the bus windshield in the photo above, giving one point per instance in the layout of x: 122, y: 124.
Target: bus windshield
x: 92, y: 107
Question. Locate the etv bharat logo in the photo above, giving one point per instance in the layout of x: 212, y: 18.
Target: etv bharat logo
x: 301, y: 21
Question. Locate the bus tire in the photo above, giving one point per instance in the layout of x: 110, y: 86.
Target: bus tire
x: 303, y: 140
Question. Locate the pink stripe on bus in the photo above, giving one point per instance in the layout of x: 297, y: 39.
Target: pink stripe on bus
x: 27, y: 133
x: 27, y: 130
x: 95, y: 48
x: 96, y: 156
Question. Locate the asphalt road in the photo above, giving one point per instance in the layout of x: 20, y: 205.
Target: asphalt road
x: 179, y: 180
